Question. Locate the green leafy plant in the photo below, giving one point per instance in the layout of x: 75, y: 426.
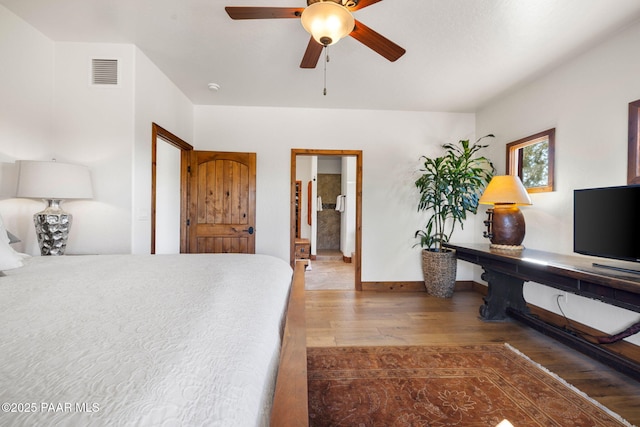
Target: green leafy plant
x: 450, y: 187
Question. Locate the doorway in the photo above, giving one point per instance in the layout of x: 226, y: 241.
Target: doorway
x: 186, y: 185
x: 313, y: 212
x: 169, y: 155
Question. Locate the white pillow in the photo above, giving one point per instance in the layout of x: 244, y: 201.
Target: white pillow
x: 9, y: 258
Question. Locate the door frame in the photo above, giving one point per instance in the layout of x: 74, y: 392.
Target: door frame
x: 185, y: 149
x: 292, y: 228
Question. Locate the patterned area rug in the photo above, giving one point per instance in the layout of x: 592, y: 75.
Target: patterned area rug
x: 479, y: 385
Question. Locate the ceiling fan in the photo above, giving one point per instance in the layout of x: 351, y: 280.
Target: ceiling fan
x: 327, y: 21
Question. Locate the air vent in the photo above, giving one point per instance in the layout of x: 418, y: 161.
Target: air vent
x: 104, y: 72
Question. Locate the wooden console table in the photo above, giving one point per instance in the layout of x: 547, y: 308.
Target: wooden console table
x: 506, y: 271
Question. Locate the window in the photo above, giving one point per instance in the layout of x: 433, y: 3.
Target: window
x: 633, y: 169
x: 532, y: 159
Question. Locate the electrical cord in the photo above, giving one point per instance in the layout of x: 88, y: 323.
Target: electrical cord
x: 571, y: 329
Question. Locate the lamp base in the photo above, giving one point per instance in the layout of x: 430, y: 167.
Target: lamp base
x: 52, y: 228
x: 505, y: 226
x: 506, y: 247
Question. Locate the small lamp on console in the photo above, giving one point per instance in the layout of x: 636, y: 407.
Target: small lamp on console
x: 505, y: 223
x: 53, y: 182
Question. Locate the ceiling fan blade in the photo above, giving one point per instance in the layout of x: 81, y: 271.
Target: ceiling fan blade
x: 377, y: 42
x: 362, y: 4
x: 312, y: 54
x: 250, y: 12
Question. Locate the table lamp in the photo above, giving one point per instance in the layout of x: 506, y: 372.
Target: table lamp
x: 505, y: 223
x: 53, y: 182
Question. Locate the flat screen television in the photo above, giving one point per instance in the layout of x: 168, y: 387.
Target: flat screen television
x: 606, y: 223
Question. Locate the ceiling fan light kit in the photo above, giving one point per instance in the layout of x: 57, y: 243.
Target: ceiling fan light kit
x: 327, y: 22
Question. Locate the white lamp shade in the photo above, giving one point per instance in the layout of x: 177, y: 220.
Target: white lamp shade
x: 327, y: 22
x: 53, y: 181
x: 505, y: 189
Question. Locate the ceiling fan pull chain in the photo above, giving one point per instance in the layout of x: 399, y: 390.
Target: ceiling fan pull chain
x: 326, y: 59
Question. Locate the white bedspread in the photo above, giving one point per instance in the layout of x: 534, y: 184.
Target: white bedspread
x: 141, y: 340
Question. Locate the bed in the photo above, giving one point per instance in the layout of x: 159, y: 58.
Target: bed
x: 152, y: 340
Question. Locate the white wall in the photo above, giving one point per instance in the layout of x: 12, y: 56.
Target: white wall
x: 304, y: 175
x: 93, y: 126
x: 83, y: 124
x: 586, y: 100
x: 392, y: 143
x: 348, y: 217
x: 157, y: 100
x: 168, y: 198
x: 27, y: 88
x: 314, y: 209
x: 49, y: 110
x: 26, y: 104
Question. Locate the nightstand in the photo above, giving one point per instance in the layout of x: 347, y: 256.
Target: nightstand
x: 302, y: 248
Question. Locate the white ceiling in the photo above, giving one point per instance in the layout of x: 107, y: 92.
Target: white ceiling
x: 460, y: 53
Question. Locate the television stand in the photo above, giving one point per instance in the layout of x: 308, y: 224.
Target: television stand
x: 506, y: 271
x: 616, y: 268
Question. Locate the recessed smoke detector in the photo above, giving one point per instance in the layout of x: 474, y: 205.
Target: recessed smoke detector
x: 213, y: 87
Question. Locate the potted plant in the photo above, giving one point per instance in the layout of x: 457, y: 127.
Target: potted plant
x: 450, y: 187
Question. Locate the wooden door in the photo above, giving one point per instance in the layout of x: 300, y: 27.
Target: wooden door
x: 222, y: 201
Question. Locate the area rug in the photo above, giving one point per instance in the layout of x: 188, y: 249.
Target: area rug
x: 477, y: 385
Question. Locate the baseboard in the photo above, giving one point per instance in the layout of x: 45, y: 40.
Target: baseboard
x: 479, y: 288
x: 393, y: 286
x: 464, y: 285
x: 418, y: 286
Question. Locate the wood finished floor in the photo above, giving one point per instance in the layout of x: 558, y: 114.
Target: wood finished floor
x: 330, y: 274
x: 349, y: 318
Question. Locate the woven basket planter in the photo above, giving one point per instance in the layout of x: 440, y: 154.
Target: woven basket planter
x: 439, y: 271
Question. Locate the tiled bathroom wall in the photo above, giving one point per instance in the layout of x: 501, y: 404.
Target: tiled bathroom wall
x: 328, y: 237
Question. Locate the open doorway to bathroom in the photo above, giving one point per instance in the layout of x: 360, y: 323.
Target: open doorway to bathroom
x: 326, y: 202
